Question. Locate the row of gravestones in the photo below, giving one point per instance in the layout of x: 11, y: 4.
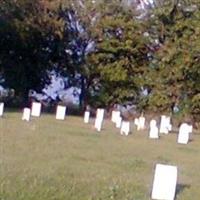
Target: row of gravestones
x: 35, y: 111
x: 165, y: 125
x: 165, y: 176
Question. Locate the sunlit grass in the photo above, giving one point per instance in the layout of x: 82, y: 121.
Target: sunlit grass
x: 61, y: 160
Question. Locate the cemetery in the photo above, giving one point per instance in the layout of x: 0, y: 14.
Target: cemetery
x: 99, y: 100
x: 67, y: 157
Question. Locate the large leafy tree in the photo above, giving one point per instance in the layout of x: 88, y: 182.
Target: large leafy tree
x: 174, y: 75
x: 28, y: 38
x: 37, y: 36
x: 120, y: 60
x: 41, y: 35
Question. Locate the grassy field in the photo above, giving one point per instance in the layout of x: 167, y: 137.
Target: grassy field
x: 68, y: 160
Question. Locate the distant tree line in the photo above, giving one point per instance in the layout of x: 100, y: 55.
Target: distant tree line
x: 123, y: 54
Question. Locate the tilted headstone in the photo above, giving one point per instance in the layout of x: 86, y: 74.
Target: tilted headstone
x: 1, y: 109
x: 184, y: 133
x: 36, y: 109
x: 125, y: 128
x: 165, y: 124
x: 60, y: 112
x: 26, y: 114
x: 164, y: 184
x: 99, y: 119
x: 86, y: 117
x: 153, y: 132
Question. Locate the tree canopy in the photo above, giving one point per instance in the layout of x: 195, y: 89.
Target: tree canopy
x: 124, y: 52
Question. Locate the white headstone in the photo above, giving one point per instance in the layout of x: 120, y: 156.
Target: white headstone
x: 100, y: 114
x: 125, y: 128
x: 136, y: 122
x: 140, y: 123
x: 36, y: 109
x: 118, y: 122
x: 184, y: 133
x: 99, y: 119
x: 26, y: 114
x: 60, y: 112
x: 169, y: 125
x: 115, y: 116
x: 153, y: 132
x: 86, y: 117
x: 165, y: 124
x: 1, y: 109
x: 164, y: 184
x: 98, y: 124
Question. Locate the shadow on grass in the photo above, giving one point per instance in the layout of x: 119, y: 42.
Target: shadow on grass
x: 180, y: 188
x: 190, y: 140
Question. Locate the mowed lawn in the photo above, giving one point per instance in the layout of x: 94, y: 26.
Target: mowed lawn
x: 68, y: 160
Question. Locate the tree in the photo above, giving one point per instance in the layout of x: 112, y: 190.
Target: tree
x: 26, y: 36
x: 120, y: 59
x: 175, y: 67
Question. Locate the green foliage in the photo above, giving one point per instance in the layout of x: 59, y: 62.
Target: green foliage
x: 195, y: 107
x: 159, y: 102
x: 176, y: 60
x: 23, y: 39
x: 33, y: 39
x: 121, y: 55
x: 160, y: 52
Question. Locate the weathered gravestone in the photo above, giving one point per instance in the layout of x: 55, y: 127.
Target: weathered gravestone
x: 86, y: 117
x: 164, y: 184
x: 125, y: 128
x: 60, y: 112
x: 184, y: 133
x: 99, y: 119
x: 36, y: 109
x: 165, y: 124
x: 26, y: 114
x: 153, y: 132
x: 1, y: 109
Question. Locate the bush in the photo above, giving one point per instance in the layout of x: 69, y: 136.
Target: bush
x: 159, y: 102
